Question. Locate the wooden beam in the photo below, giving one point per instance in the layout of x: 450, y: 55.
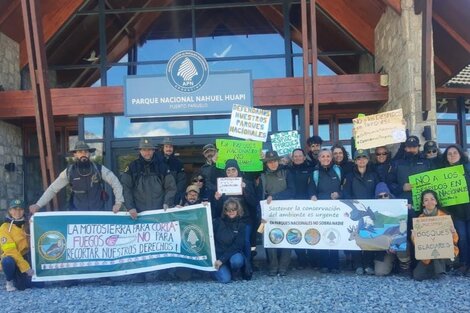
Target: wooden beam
x: 54, y: 15
x: 426, y: 58
x: 446, y: 69
x: 452, y: 33
x: 342, y: 11
x: 344, y: 89
x: 394, y: 4
x: 453, y: 92
x: 12, y: 7
x: 314, y: 67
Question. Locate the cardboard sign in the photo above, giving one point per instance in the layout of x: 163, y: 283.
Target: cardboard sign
x: 449, y: 183
x: 231, y: 186
x: 433, y: 238
x: 379, y: 129
x: 284, y: 143
x: 247, y: 154
x: 373, y: 225
x: 249, y: 123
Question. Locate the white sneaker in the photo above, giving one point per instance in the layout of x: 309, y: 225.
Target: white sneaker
x: 9, y: 286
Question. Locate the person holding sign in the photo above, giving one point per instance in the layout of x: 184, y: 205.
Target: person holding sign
x: 427, y: 269
x: 382, y: 164
x: 454, y: 155
x: 14, y: 243
x: 248, y: 201
x: 326, y: 185
x: 229, y: 239
x: 276, y: 183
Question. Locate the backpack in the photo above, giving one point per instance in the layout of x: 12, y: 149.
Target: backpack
x: 316, y: 174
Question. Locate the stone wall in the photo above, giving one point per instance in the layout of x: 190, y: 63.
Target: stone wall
x: 11, y: 151
x: 398, y: 53
x: 9, y: 63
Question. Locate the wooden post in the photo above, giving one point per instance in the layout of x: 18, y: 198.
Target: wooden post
x: 306, y: 83
x: 41, y: 92
x: 314, y: 67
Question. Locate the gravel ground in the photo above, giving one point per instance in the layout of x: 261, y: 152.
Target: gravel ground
x: 300, y: 291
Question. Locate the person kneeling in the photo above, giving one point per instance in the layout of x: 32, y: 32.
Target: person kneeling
x: 229, y: 238
x: 14, y: 242
x: 427, y: 269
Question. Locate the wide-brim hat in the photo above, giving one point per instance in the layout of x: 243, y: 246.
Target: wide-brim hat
x: 81, y: 145
x: 271, y: 156
x: 146, y: 143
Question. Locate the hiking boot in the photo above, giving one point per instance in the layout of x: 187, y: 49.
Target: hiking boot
x: 10, y: 286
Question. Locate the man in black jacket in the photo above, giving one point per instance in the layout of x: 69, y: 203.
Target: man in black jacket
x: 175, y: 166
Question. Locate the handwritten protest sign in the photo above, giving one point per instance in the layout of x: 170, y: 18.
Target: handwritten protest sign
x: 448, y: 182
x: 247, y: 154
x: 76, y: 245
x: 335, y: 224
x: 285, y: 142
x: 379, y: 129
x: 229, y: 185
x: 249, y: 123
x: 433, y: 238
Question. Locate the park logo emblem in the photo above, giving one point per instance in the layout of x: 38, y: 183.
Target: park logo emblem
x: 187, y: 71
x: 332, y: 236
x: 51, y: 245
x: 193, y: 238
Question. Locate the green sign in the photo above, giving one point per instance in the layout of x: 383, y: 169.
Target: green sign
x: 76, y: 245
x: 449, y: 183
x: 247, y: 153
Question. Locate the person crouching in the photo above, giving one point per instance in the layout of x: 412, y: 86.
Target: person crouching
x: 14, y: 242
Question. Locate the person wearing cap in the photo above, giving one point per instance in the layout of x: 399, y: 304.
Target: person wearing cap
x: 86, y: 180
x: 147, y: 182
x: 209, y: 170
x: 314, y: 144
x: 360, y: 183
x: 175, y: 166
x: 325, y: 184
x: 382, y: 162
x: 14, y: 243
x: 384, y: 260
x: 411, y: 163
x: 276, y: 183
x: 432, y: 153
x: 191, y: 196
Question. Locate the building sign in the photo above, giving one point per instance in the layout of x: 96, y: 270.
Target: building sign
x: 187, y: 89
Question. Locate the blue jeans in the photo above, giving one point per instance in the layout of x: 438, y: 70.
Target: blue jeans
x: 463, y: 230
x: 12, y: 273
x: 224, y: 274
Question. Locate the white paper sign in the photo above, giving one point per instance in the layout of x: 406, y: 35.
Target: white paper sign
x: 229, y: 185
x: 284, y: 143
x: 249, y: 123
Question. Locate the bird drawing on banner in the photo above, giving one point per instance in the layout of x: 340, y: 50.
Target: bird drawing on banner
x: 93, y: 57
x: 224, y: 53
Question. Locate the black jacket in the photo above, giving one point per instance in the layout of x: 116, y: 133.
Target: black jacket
x: 357, y: 186
x: 328, y: 182
x: 229, y: 237
x: 302, y: 174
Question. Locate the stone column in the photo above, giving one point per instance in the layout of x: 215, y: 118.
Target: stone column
x: 11, y: 151
x: 398, y: 54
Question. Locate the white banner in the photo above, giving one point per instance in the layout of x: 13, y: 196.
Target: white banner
x: 336, y: 224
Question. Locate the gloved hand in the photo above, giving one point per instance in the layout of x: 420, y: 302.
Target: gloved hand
x: 30, y: 272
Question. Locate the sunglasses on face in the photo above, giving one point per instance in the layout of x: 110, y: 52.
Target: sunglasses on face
x: 383, y: 154
x: 230, y: 209
x: 383, y: 196
x: 431, y: 151
x: 198, y: 180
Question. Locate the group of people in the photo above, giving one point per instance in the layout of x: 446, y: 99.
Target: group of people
x: 156, y: 180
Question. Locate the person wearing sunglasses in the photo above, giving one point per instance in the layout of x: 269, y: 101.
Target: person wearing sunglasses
x: 384, y: 260
x: 382, y: 162
x: 432, y: 153
x: 200, y: 182
x: 229, y: 240
x: 360, y: 184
